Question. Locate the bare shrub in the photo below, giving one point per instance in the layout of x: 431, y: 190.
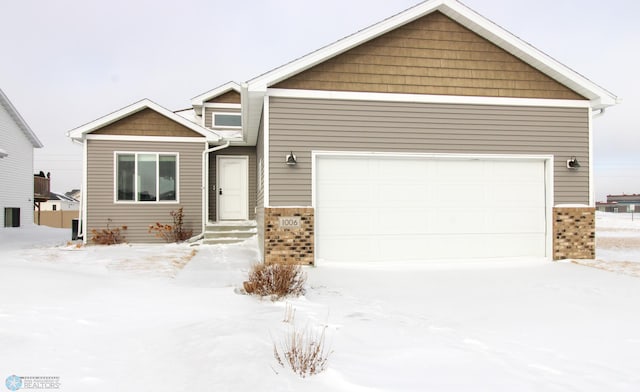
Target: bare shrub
x: 108, y: 236
x: 289, y: 314
x: 276, y: 280
x: 172, y: 233
x: 304, y: 352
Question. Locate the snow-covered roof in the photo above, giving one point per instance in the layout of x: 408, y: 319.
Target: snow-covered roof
x: 22, y: 124
x: 189, y: 114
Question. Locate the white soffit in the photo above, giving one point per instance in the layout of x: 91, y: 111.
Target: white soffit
x: 80, y: 132
x: 460, y: 13
x: 199, y: 100
x: 20, y: 122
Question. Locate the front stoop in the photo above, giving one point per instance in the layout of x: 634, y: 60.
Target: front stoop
x: 229, y: 232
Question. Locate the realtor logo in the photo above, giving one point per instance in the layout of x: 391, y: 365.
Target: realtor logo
x: 13, y: 382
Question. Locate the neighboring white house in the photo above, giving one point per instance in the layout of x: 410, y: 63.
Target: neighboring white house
x: 60, y: 202
x: 17, y: 142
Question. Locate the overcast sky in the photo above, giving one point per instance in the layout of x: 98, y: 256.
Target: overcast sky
x: 64, y: 63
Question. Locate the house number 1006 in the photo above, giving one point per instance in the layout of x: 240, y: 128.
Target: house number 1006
x: 289, y: 222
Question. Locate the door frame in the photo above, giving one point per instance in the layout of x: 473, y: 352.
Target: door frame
x: 219, y: 175
x: 547, y: 159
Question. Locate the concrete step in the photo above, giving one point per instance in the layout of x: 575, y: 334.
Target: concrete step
x: 225, y: 240
x: 229, y: 232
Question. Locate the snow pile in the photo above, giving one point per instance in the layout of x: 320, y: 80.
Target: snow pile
x: 145, y: 318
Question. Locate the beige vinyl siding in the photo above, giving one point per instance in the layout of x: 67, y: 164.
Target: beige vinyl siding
x: 101, y: 209
x: 251, y: 153
x: 303, y: 125
x: 431, y: 55
x: 208, y: 117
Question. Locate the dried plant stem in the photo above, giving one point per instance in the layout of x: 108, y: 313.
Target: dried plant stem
x: 304, y: 352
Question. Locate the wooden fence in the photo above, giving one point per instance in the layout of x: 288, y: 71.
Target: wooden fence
x: 60, y: 219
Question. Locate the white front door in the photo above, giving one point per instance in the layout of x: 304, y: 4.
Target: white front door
x: 232, y: 187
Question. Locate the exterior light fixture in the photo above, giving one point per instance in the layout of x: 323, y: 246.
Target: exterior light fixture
x: 572, y: 163
x: 291, y: 159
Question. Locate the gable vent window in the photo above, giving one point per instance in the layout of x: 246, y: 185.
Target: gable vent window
x: 226, y: 120
x: 146, y: 177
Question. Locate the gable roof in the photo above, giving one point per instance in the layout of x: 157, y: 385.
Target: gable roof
x: 255, y: 89
x: 198, y: 101
x: 81, y: 131
x: 17, y: 118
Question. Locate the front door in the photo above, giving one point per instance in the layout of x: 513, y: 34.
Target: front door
x: 232, y: 187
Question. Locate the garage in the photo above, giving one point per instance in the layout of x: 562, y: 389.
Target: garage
x: 377, y: 207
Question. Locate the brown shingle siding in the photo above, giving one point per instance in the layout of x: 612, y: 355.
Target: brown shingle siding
x: 146, y: 122
x: 432, y: 55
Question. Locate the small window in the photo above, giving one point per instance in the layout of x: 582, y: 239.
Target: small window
x: 54, y: 207
x: 11, y: 217
x: 146, y: 177
x: 226, y: 120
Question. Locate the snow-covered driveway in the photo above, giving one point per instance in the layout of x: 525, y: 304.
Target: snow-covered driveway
x: 161, y: 318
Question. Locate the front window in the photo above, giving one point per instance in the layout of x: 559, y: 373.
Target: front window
x: 146, y: 177
x: 227, y: 120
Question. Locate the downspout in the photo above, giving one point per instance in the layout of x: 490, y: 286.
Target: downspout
x: 592, y: 193
x: 600, y: 113
x: 205, y: 187
x: 82, y: 195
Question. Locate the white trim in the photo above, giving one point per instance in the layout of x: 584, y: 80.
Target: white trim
x: 548, y: 168
x: 591, y: 166
x: 246, y: 183
x: 84, y: 193
x: 463, y: 15
x: 549, y: 171
x: 223, y: 105
x: 135, y: 182
x: 222, y: 127
x: 199, y: 100
x: 20, y: 122
x: 423, y: 98
x: 136, y: 107
x: 141, y: 138
x: 265, y: 145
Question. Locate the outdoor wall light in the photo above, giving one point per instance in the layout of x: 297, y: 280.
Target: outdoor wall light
x: 291, y: 159
x: 572, y: 163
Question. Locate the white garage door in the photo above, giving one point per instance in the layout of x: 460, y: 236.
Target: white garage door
x: 373, y: 208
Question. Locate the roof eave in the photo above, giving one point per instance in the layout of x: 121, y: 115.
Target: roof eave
x: 224, y: 88
x: 22, y: 124
x: 80, y: 132
x: 463, y: 15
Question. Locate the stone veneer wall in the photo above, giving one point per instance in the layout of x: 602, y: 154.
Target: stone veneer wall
x: 288, y: 245
x: 574, y: 233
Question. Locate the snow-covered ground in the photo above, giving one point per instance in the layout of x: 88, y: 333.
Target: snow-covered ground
x: 172, y: 318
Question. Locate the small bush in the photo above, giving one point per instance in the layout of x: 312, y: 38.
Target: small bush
x: 108, y: 236
x: 276, y: 280
x: 303, y: 352
x: 172, y: 233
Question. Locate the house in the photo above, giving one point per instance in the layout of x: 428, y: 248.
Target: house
x: 60, y: 202
x: 619, y: 203
x: 58, y: 211
x: 434, y: 134
x: 17, y: 141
